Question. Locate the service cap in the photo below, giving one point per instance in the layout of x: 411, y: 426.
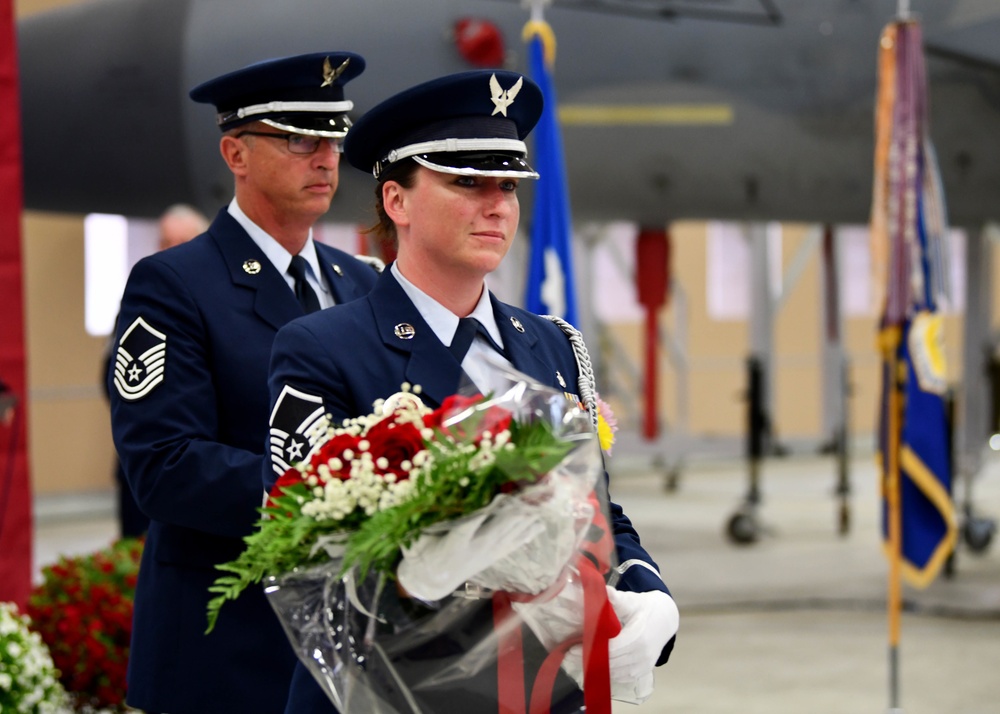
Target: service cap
x: 303, y: 94
x: 471, y: 123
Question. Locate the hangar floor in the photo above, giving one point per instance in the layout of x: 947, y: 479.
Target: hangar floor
x: 793, y: 623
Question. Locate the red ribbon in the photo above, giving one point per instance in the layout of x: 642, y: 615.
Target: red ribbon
x: 600, y: 624
x: 510, y: 657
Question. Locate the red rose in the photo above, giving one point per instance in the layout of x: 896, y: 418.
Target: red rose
x: 395, y: 443
x: 449, y: 407
x: 289, y: 478
x: 334, y: 449
x: 495, y: 420
x: 492, y: 419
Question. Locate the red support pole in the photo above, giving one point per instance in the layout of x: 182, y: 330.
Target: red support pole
x: 652, y: 280
x: 650, y: 420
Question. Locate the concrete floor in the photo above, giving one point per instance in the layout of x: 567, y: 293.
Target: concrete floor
x: 797, y: 622
x: 793, y: 623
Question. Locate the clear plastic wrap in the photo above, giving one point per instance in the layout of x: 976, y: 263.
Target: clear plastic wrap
x: 494, y: 597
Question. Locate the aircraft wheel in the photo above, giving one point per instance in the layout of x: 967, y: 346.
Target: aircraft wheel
x: 742, y: 528
x: 978, y: 533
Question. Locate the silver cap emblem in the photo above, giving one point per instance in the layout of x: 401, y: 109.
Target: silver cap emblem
x: 503, y: 98
x: 330, y: 74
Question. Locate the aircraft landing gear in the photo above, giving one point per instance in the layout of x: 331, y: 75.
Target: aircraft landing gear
x: 672, y: 479
x: 843, y: 487
x: 844, y: 519
x: 743, y: 527
x: 978, y: 532
x: 671, y: 473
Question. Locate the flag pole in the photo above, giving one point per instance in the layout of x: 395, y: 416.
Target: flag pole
x: 892, y: 497
x: 551, y: 284
x: 886, y: 238
x: 537, y: 9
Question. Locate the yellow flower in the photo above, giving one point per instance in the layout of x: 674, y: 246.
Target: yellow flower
x: 607, y: 425
x: 605, y: 436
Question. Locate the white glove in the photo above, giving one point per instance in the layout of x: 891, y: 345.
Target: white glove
x: 648, y: 620
x: 635, y: 691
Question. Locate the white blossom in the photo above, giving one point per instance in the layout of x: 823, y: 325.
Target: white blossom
x: 27, y: 675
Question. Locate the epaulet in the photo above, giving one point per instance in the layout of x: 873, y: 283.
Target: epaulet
x: 585, y: 380
x: 376, y: 263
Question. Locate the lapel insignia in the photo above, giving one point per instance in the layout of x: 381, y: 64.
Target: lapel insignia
x: 140, y: 361
x: 251, y: 267
x: 517, y: 324
x: 404, y: 331
x: 503, y: 98
x: 297, y: 422
x: 559, y: 377
x: 337, y: 269
x: 330, y: 74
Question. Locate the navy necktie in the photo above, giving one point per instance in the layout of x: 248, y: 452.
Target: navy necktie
x: 303, y: 290
x: 465, y: 334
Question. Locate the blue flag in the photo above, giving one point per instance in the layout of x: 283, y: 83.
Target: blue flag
x: 550, y: 286
x: 909, y: 224
x: 928, y: 528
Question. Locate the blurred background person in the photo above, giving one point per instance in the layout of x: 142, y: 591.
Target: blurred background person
x: 179, y: 224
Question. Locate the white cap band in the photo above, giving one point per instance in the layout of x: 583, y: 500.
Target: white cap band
x: 270, y: 107
x: 452, y: 145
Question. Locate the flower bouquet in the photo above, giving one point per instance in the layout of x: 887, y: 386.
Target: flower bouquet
x: 418, y: 559
x: 29, y: 681
x: 83, y: 612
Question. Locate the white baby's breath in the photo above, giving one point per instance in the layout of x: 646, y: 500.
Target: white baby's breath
x: 368, y: 486
x: 28, y: 679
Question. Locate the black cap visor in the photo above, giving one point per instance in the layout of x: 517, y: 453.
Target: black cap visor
x: 330, y: 125
x: 478, y: 163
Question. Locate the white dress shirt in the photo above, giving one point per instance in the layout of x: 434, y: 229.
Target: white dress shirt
x: 281, y: 258
x: 477, y: 362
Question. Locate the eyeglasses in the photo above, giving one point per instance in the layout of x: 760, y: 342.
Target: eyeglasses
x: 300, y: 143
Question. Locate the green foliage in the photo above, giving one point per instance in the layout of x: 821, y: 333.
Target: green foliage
x: 282, y: 540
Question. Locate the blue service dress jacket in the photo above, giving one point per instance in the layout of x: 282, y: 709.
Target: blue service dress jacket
x: 189, y: 418
x: 309, y: 356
